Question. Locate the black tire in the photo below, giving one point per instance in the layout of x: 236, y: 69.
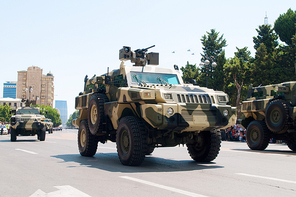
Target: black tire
x: 131, y: 141
x: 276, y: 116
x: 12, y: 135
x: 87, y: 143
x: 96, y: 116
x: 150, y: 149
x: 292, y: 146
x: 257, y: 135
x: 42, y: 134
x: 206, y: 147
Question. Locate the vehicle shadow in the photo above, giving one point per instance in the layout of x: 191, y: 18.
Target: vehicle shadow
x: 110, y: 162
x: 24, y: 140
x: 285, y: 152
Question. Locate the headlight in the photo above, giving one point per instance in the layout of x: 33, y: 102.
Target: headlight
x: 225, y: 112
x: 170, y: 111
x: 168, y: 96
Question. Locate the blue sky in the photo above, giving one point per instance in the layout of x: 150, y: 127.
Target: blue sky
x: 72, y: 38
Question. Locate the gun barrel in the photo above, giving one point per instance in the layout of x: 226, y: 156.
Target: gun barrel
x: 149, y: 47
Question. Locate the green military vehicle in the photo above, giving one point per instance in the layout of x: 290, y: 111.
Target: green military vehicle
x: 28, y: 121
x: 142, y: 107
x: 49, y: 125
x: 270, y: 113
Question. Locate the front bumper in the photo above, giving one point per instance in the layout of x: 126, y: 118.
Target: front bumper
x: 188, y: 117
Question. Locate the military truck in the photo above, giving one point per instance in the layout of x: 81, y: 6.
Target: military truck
x: 49, y: 125
x: 28, y: 121
x: 270, y: 113
x: 141, y: 107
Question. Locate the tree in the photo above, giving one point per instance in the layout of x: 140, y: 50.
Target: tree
x: 50, y: 113
x: 285, y: 27
x: 264, y: 71
x: 266, y: 36
x: 72, y: 117
x: 190, y: 73
x: 212, y: 47
x: 5, y: 113
x: 236, y: 70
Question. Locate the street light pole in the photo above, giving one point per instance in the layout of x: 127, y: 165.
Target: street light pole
x: 206, y: 64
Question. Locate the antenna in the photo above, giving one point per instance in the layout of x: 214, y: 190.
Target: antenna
x: 265, y: 19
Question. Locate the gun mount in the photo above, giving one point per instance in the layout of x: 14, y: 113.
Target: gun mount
x: 140, y: 56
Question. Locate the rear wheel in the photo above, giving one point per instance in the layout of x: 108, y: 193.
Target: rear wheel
x: 12, y: 135
x: 87, y: 143
x: 150, y: 149
x: 206, y: 147
x: 257, y: 135
x: 42, y: 134
x: 131, y: 141
x: 292, y: 146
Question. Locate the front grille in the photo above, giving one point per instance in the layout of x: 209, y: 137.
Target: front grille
x: 193, y: 98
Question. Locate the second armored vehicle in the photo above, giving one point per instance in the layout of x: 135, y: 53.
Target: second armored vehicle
x: 28, y: 121
x: 142, y: 107
x: 270, y: 113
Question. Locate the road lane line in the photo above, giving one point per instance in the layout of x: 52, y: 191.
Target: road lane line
x: 26, y: 151
x: 163, y: 187
x: 268, y: 178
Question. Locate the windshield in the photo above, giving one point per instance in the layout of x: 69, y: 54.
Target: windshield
x: 28, y: 111
x: 157, y: 78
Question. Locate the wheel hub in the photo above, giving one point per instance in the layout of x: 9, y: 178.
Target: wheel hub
x: 275, y: 116
x: 125, y: 144
x: 254, y: 135
x: 83, y: 138
x: 94, y: 114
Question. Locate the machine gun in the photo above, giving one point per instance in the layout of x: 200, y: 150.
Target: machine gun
x: 140, y: 56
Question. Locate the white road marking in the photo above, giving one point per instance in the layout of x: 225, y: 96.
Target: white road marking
x: 163, y: 187
x: 268, y: 178
x: 26, y: 151
x: 65, y: 191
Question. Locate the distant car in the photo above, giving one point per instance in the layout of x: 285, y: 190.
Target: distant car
x: 5, y: 132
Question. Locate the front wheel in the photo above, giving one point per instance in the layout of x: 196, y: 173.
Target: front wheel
x: 206, y: 146
x: 87, y: 143
x: 12, y: 135
x: 257, y: 135
x: 131, y: 141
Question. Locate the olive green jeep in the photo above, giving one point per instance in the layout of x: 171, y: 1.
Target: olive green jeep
x: 270, y: 114
x: 28, y: 121
x: 142, y: 107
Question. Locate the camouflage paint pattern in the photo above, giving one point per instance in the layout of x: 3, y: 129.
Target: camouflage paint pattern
x: 28, y: 123
x: 194, y: 108
x: 259, y: 98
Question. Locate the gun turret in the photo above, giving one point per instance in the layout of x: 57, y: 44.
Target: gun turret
x: 140, y: 56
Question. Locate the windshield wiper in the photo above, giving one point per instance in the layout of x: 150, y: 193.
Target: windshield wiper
x: 163, y: 81
x: 141, y: 82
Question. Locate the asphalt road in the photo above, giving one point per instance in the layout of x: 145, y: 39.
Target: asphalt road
x: 31, y: 168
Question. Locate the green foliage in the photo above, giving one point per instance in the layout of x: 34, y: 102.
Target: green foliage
x: 212, y: 48
x: 5, y: 113
x: 266, y: 36
x: 50, y: 113
x: 235, y: 67
x: 75, y: 115
x: 285, y: 27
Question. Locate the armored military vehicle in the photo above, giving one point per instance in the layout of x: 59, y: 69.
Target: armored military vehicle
x: 49, y: 125
x: 142, y: 107
x: 28, y: 121
x: 270, y: 113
